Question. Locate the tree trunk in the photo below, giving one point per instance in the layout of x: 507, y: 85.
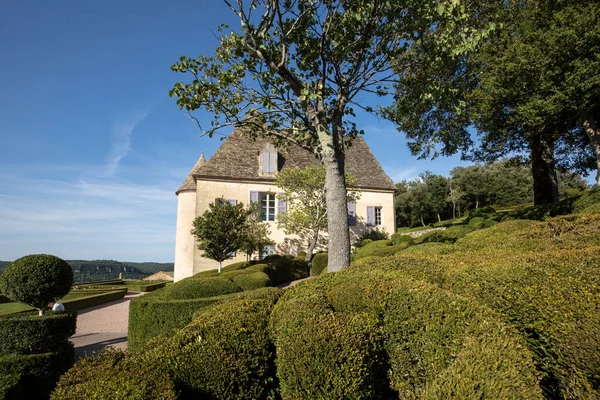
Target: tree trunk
x: 311, y: 248
x: 453, y: 210
x: 422, y: 220
x: 545, y: 183
x: 439, y: 219
x: 476, y: 202
x: 336, y: 197
x: 40, y: 312
x: 220, y: 266
x: 593, y: 133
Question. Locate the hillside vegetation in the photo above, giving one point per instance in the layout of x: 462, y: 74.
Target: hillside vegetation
x: 100, y: 270
x: 503, y: 309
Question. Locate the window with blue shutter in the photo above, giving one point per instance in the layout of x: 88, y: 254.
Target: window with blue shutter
x: 351, y: 213
x: 253, y: 197
x: 232, y: 202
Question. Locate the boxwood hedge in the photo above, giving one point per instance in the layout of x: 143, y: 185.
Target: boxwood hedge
x: 110, y: 374
x: 31, y: 334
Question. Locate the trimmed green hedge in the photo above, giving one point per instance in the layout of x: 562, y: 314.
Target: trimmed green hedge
x: 380, y: 248
x: 195, y: 288
x: 99, y: 297
x: 252, y: 280
x: 543, y: 277
x: 444, y: 346
x: 319, y: 263
x: 224, y: 353
x: 330, y: 334
x: 33, y: 376
x: 144, y: 286
x: 31, y: 334
x: 398, y: 238
x: 109, y: 374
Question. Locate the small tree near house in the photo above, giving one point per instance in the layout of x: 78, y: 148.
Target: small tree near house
x: 221, y: 230
x: 306, y: 211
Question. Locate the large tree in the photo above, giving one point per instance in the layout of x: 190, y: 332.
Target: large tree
x: 531, y: 85
x: 296, y: 69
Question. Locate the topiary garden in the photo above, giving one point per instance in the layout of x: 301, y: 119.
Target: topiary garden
x: 503, y: 310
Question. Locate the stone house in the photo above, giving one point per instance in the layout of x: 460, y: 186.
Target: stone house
x: 243, y: 170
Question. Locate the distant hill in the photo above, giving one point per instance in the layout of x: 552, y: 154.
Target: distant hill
x: 98, y: 270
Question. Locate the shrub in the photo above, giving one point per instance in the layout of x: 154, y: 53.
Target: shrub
x: 36, y: 280
x: 224, y: 353
x: 443, y: 346
x: 301, y: 254
x: 482, y: 212
x: 33, y: 376
x: 371, y: 234
x: 487, y: 223
x: 543, y: 278
x: 399, y: 238
x: 319, y: 263
x: 110, y: 374
x: 194, y: 288
x: 252, y: 280
x: 30, y: 334
x: 379, y: 248
x: 150, y: 316
x: 476, y: 221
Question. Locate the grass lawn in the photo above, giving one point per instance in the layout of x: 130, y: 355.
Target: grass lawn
x: 9, y: 308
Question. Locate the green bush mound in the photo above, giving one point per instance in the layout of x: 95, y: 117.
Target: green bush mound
x: 543, y: 277
x: 224, y: 353
x: 87, y: 298
x: 444, y: 346
x: 349, y: 335
x: 319, y: 263
x: 482, y: 212
x: 476, y: 222
x: 380, y: 248
x: 33, y: 376
x: 194, y: 288
x: 588, y: 202
x: 109, y: 374
x: 252, y: 280
x: 31, y: 334
x: 398, y: 238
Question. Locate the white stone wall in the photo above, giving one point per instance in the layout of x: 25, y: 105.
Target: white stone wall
x: 185, y: 245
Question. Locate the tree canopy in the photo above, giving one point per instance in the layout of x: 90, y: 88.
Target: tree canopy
x: 530, y: 87
x: 221, y: 230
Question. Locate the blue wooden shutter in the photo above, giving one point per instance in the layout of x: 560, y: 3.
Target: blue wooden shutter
x: 272, y: 162
x: 351, y: 213
x: 282, y: 204
x: 370, y: 216
x: 232, y: 202
x: 253, y: 197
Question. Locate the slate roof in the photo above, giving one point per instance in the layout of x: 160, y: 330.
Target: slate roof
x: 190, y: 182
x: 238, y: 158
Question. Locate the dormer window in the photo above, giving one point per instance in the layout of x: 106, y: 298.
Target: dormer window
x: 268, y: 162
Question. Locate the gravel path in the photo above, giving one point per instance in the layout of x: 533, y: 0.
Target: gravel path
x: 101, y: 326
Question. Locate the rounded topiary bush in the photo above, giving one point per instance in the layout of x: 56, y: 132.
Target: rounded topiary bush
x: 37, y: 280
x: 398, y: 238
x: 319, y: 263
x: 193, y: 288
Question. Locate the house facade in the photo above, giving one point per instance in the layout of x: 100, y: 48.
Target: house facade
x: 243, y: 170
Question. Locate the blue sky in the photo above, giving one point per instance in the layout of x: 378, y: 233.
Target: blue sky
x: 92, y: 148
